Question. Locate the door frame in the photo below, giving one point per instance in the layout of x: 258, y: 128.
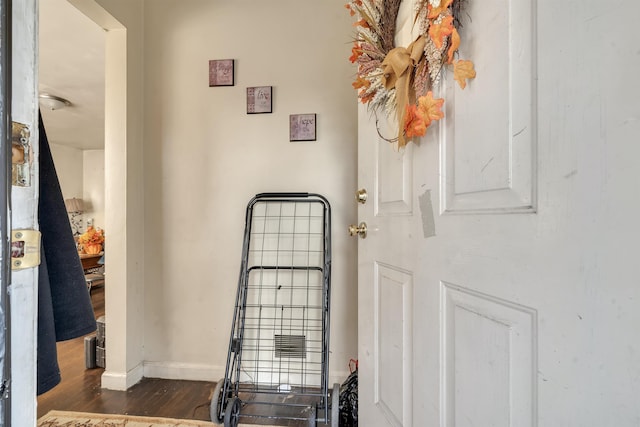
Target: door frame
x: 5, y: 222
x: 24, y: 214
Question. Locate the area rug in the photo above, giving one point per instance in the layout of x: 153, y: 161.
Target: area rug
x: 85, y: 419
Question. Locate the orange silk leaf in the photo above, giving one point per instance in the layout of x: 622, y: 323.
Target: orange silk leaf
x: 414, y: 124
x: 463, y: 70
x: 361, y: 83
x: 455, y: 44
x: 361, y: 23
x: 356, y: 51
x: 437, y: 32
x: 430, y: 107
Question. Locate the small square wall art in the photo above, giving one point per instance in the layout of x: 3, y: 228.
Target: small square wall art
x: 302, y: 127
x: 259, y: 99
x: 221, y: 72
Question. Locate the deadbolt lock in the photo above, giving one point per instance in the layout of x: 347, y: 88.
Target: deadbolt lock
x: 361, y: 196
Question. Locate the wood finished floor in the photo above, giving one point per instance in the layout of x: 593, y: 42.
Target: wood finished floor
x: 80, y: 389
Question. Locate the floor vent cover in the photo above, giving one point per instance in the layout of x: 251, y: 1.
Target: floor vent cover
x: 292, y: 346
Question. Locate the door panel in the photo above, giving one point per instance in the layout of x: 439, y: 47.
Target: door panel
x: 393, y: 180
x: 488, y: 345
x: 393, y: 328
x: 385, y: 330
x: 488, y: 133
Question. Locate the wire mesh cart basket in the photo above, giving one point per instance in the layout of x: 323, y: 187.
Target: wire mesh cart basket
x: 278, y: 359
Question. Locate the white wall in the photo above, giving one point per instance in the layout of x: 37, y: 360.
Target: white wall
x: 204, y: 158
x: 81, y: 175
x: 93, y: 187
x: 69, y: 168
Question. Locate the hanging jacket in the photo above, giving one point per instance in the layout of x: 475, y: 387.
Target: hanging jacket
x: 64, y: 303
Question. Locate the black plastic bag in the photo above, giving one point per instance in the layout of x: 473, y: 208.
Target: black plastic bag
x: 349, y: 401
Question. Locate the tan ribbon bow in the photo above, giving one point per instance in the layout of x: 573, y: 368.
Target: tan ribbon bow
x: 396, y: 71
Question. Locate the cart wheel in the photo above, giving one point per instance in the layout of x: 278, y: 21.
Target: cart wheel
x: 335, y: 405
x: 231, y: 413
x: 312, y: 417
x: 217, y: 403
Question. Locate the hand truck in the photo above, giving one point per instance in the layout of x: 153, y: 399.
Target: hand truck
x: 278, y: 358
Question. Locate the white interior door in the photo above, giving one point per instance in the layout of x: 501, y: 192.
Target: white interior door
x: 498, y: 282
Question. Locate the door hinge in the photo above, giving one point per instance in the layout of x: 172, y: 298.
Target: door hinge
x: 25, y: 249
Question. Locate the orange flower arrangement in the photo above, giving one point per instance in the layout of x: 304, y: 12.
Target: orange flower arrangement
x: 91, y: 240
x: 91, y: 236
x: 401, y: 80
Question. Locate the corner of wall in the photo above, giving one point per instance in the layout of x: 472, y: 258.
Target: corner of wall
x: 122, y: 380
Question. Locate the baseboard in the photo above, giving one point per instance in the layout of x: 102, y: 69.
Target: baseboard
x: 199, y: 372
x: 183, y: 371
x: 122, y: 381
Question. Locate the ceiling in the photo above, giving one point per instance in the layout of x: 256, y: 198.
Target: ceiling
x: 72, y: 67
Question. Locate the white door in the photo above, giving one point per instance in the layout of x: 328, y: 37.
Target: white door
x: 499, y: 281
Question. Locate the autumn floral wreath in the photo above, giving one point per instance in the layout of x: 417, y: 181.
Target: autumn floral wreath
x: 400, y: 80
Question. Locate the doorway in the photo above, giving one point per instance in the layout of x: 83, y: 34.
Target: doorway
x: 114, y: 134
x: 71, y: 66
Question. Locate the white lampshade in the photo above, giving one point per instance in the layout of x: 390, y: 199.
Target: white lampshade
x: 74, y: 205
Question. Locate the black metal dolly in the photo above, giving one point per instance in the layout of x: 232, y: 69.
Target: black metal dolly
x: 278, y: 358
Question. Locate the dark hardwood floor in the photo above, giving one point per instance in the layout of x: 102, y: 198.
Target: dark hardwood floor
x: 80, y: 387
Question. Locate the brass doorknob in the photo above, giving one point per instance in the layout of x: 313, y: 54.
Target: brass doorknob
x: 360, y: 230
x: 361, y: 196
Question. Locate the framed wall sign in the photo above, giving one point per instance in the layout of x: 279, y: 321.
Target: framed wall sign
x: 221, y: 72
x: 302, y: 127
x: 259, y: 99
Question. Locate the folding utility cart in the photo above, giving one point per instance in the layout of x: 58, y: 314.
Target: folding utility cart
x: 278, y: 358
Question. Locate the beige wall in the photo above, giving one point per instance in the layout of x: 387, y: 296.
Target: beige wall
x: 205, y: 158
x: 93, y: 187
x: 69, y: 168
x: 81, y: 175
x: 183, y: 159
